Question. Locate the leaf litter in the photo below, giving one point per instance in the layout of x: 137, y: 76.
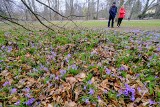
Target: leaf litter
x: 75, y: 69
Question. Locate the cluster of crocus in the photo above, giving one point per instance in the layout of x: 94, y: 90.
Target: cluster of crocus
x: 122, y: 68
x: 6, y: 83
x: 56, y: 77
x: 68, y: 57
x: 93, y: 53
x: 62, y: 72
x: 35, y: 70
x: 91, y: 91
x: 74, y: 67
x: 52, y: 56
x: 44, y: 68
x: 2, y: 47
x: 85, y: 87
x: 30, y: 102
x: 86, y: 100
x: 17, y: 103
x: 9, y: 49
x: 108, y: 71
x: 13, y: 91
x: 89, y: 82
x: 27, y: 92
x: 128, y: 92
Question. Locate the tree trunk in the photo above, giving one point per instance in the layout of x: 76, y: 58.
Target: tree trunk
x: 145, y: 9
x: 72, y: 8
x: 50, y: 14
x: 88, y: 10
x: 97, y: 9
x: 157, y: 12
x: 121, y: 3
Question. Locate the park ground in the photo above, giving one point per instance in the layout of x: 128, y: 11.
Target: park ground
x: 93, y: 67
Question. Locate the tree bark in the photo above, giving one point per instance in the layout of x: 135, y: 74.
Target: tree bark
x: 97, y: 9
x: 157, y: 12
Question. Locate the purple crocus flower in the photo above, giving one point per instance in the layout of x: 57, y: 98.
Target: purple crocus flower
x: 68, y: 57
x: 17, y: 103
x: 27, y: 90
x: 84, y: 87
x: 108, y: 71
x: 120, y: 92
x: 9, y: 49
x: 99, y: 98
x: 151, y: 102
x: 30, y: 102
x: 45, y: 69
x: 87, y: 101
x: 53, y: 54
x: 132, y: 97
x: 105, y: 91
x: 27, y: 95
x: 158, y: 49
x: 89, y: 82
x: 74, y: 67
x: 14, y: 90
x: 156, y: 77
x: 139, y: 89
x: 91, y: 91
x: 6, y: 83
x: 56, y: 78
x: 139, y: 48
x: 129, y: 92
x: 35, y: 70
x: 62, y: 72
x: 122, y: 68
x: 113, y: 75
x: 120, y: 77
x: 2, y: 47
x: 137, y: 75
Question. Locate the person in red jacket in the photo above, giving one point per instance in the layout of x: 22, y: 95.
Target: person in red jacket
x: 122, y: 12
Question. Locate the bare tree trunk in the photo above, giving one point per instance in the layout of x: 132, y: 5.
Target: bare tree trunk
x: 148, y: 5
x: 26, y: 14
x: 8, y: 11
x: 145, y: 8
x: 97, y: 9
x: 88, y: 10
x: 50, y: 14
x: 71, y: 8
x: 57, y: 9
x: 157, y: 12
x: 121, y: 3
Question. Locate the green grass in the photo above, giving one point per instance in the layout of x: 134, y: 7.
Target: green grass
x: 107, y: 60
x: 100, y: 24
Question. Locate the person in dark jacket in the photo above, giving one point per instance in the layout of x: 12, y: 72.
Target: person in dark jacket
x: 112, y: 14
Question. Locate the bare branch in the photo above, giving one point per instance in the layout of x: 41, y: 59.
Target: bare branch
x: 8, y: 19
x: 35, y: 15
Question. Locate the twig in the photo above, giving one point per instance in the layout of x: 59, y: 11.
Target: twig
x: 35, y: 15
x: 8, y: 19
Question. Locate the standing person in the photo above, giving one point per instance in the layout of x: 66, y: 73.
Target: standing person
x: 121, y: 15
x: 112, y: 14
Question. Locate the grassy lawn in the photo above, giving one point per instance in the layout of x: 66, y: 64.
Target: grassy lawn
x: 150, y: 25
x: 81, y: 68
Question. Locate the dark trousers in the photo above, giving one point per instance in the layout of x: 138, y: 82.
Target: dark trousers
x: 111, y: 18
x: 119, y: 21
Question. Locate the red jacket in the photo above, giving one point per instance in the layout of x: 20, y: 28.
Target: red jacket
x: 122, y: 12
